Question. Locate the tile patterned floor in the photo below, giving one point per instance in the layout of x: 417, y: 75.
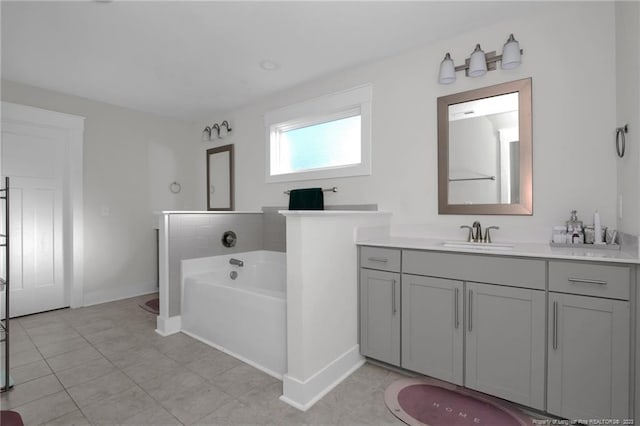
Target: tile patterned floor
x: 105, y: 365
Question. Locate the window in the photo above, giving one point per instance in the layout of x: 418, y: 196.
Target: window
x: 322, y: 138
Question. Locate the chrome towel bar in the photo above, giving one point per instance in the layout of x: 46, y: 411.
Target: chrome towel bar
x: 333, y: 189
x: 477, y: 178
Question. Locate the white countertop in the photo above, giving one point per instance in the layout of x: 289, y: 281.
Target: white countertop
x: 537, y: 250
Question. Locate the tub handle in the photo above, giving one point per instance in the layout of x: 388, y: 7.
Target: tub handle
x: 229, y: 239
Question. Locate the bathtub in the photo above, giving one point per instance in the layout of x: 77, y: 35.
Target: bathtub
x: 244, y: 317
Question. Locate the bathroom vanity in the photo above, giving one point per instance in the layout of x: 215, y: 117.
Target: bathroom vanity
x: 547, y: 328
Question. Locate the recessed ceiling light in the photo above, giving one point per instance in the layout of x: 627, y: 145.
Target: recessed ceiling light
x: 268, y: 65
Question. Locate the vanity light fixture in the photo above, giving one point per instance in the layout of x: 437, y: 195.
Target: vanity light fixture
x: 216, y: 131
x: 479, y: 63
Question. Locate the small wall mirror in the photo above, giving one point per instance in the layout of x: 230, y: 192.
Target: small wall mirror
x: 485, y: 151
x: 220, y: 178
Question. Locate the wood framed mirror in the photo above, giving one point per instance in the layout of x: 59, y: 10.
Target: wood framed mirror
x: 485, y: 161
x: 220, y: 185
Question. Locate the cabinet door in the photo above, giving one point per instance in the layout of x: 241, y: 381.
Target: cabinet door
x: 432, y: 327
x: 588, y: 374
x: 380, y: 315
x: 505, y: 346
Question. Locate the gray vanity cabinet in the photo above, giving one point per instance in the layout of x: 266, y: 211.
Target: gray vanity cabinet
x: 380, y: 304
x: 432, y: 327
x: 502, y: 325
x: 495, y: 329
x: 588, y: 361
x: 505, y: 342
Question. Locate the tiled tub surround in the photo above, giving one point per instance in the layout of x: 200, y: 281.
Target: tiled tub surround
x: 243, y: 316
x: 189, y: 235
x: 550, y: 328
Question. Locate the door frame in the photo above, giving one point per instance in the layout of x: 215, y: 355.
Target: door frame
x: 73, y: 207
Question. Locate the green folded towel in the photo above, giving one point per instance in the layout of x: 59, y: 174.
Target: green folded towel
x: 306, y: 199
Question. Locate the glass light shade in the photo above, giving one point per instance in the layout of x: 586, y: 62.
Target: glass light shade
x: 215, y: 132
x: 206, y: 134
x: 477, y: 63
x: 447, y: 70
x: 225, y: 129
x: 511, y: 54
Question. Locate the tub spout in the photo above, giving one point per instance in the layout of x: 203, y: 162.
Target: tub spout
x: 236, y: 262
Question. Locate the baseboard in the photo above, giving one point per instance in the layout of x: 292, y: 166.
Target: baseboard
x: 168, y: 326
x: 304, y: 394
x: 112, y: 295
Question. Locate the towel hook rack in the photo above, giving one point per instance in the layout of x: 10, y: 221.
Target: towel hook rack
x: 621, y: 139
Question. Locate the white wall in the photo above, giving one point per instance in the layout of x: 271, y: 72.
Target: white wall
x: 628, y: 112
x: 574, y: 100
x: 322, y: 301
x: 130, y: 159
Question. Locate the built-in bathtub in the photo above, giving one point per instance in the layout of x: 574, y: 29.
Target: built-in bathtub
x: 244, y: 317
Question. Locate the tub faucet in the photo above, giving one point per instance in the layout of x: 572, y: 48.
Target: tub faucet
x: 477, y: 235
x: 236, y: 262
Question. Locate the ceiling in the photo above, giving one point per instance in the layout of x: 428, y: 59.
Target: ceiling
x: 189, y: 60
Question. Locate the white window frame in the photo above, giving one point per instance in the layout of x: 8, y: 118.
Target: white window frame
x: 347, y: 103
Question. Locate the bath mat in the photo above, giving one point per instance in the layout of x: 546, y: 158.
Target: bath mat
x: 10, y: 418
x: 419, y: 402
x: 152, y: 306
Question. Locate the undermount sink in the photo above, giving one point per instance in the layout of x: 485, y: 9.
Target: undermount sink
x: 478, y: 246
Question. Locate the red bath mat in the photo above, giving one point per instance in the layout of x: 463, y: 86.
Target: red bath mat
x: 10, y: 418
x: 152, y: 306
x: 420, y: 402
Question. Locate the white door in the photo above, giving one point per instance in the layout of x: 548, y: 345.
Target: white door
x: 34, y: 158
x: 505, y: 338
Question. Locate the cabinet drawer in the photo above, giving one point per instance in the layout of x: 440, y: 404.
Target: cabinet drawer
x: 590, y: 279
x: 384, y: 259
x: 513, y: 272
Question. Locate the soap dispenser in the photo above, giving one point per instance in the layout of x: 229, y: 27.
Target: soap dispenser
x: 573, y: 224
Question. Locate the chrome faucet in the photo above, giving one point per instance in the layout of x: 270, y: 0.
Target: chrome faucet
x: 236, y: 262
x: 470, y: 235
x: 477, y: 234
x: 487, y: 235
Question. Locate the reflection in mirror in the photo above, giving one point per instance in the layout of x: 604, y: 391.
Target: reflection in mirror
x: 220, y: 178
x: 483, y: 144
x: 484, y: 150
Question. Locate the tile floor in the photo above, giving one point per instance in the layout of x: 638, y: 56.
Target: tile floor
x: 105, y: 365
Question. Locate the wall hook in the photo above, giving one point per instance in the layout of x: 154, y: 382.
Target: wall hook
x: 621, y: 139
